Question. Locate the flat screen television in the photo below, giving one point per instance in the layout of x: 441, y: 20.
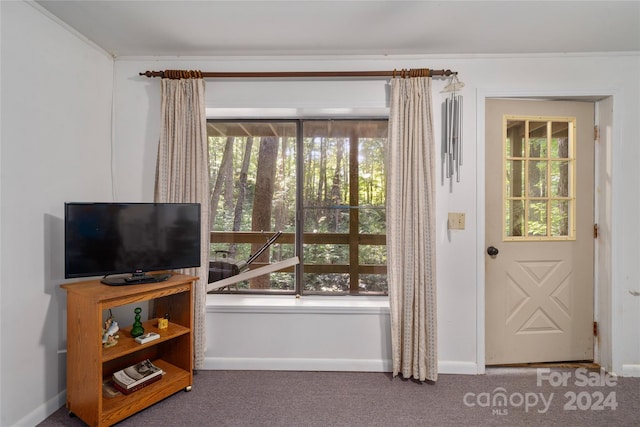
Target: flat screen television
x: 131, y: 239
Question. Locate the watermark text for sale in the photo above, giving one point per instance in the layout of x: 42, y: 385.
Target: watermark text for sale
x: 594, y: 393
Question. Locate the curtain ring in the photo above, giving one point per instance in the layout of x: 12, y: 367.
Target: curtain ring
x: 182, y: 74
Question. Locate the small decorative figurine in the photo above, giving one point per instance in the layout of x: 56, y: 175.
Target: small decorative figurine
x: 109, y: 337
x: 163, y: 323
x: 137, y: 328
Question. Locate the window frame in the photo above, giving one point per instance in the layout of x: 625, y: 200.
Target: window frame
x: 354, y: 268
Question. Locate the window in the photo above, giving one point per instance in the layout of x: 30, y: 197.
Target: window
x: 539, y: 168
x: 320, y: 182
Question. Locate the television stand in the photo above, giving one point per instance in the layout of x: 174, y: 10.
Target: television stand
x: 136, y: 279
x: 90, y: 364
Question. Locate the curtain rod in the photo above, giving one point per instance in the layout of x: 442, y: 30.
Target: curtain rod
x: 414, y: 72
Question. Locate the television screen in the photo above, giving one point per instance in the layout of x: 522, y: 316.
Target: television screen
x: 103, y: 239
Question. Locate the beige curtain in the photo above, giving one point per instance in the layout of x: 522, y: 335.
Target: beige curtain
x: 411, y: 229
x: 182, y: 175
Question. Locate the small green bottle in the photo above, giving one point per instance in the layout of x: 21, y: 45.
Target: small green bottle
x: 137, y: 328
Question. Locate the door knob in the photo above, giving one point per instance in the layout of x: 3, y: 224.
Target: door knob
x: 492, y: 251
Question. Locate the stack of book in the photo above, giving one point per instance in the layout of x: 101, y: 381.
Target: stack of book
x: 136, y: 376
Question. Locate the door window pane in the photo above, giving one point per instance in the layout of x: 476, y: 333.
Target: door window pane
x: 515, y: 178
x: 559, y: 178
x: 514, y: 143
x: 560, y: 218
x: 537, y: 172
x: 559, y: 140
x: 537, y: 224
x: 514, y: 218
x: 537, y: 139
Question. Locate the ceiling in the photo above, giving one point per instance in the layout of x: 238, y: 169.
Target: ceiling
x: 392, y: 27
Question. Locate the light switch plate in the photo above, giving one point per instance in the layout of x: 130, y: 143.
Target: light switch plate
x: 456, y: 221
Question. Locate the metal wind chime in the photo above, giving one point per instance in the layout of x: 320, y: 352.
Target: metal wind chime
x: 452, y: 128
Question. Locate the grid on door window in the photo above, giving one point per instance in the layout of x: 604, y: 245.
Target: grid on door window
x: 539, y: 178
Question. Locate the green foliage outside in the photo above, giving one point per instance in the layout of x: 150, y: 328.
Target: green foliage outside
x: 327, y: 202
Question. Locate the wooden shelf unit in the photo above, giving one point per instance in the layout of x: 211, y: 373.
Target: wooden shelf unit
x: 89, y: 364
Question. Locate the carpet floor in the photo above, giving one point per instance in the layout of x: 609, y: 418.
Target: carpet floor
x: 501, y: 397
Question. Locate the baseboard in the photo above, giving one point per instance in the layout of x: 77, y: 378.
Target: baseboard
x: 286, y: 364
x: 458, y: 368
x: 352, y: 365
x: 43, y: 411
x: 630, y: 370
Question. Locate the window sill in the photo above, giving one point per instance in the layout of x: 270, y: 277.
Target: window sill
x: 313, y: 304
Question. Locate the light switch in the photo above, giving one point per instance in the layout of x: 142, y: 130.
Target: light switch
x: 456, y: 221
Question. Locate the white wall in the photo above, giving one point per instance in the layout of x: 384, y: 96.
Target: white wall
x: 56, y: 96
x: 331, y: 333
x: 460, y: 253
x: 55, y: 135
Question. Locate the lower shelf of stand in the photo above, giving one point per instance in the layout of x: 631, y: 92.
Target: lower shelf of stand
x: 117, y: 408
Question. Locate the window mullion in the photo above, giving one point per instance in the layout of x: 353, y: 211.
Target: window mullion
x: 299, y: 269
x: 354, y: 212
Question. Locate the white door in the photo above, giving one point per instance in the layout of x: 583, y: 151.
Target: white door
x: 539, y: 231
